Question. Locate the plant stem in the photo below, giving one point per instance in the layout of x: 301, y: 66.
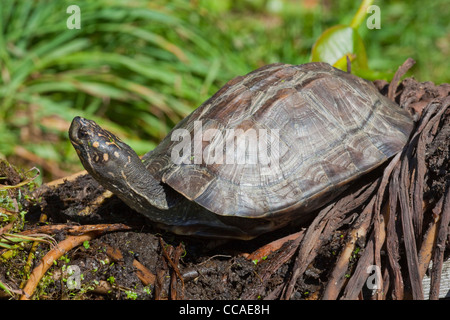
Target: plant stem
x: 360, y: 14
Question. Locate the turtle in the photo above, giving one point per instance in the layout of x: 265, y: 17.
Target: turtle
x: 267, y: 150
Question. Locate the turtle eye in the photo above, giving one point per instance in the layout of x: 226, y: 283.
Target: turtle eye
x: 82, y: 133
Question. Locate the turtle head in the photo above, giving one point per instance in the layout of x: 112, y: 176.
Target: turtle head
x: 101, y: 152
x: 115, y: 165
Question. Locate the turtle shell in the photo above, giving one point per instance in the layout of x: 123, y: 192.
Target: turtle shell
x: 327, y: 128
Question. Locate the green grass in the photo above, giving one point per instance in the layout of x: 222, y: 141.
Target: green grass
x: 139, y: 67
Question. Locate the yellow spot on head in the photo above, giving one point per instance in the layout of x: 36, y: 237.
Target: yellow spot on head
x: 105, y: 157
x: 116, y: 154
x: 95, y: 144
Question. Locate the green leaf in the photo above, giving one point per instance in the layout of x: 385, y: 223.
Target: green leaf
x: 338, y: 42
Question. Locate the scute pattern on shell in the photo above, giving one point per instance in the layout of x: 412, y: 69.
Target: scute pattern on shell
x: 333, y: 127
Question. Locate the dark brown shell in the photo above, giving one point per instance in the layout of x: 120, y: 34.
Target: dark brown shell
x: 333, y: 127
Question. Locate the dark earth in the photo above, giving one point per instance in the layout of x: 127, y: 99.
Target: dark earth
x: 186, y: 268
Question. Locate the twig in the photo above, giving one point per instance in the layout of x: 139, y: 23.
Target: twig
x: 76, y: 230
x: 400, y: 72
x: 7, y: 212
x: 273, y: 246
x: 71, y: 177
x: 429, y: 241
x: 176, y: 273
x: 380, y: 223
x: 22, y: 183
x: 172, y: 263
x: 438, y: 258
x: 306, y: 251
x: 6, y: 228
x: 337, y: 278
x: 7, y: 240
x: 142, y: 272
x: 393, y: 242
x: 412, y: 258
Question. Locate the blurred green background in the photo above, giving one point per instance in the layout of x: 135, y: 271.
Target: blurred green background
x: 138, y: 67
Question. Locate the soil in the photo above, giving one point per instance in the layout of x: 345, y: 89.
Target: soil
x: 186, y: 268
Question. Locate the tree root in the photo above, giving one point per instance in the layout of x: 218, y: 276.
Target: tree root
x: 72, y: 241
